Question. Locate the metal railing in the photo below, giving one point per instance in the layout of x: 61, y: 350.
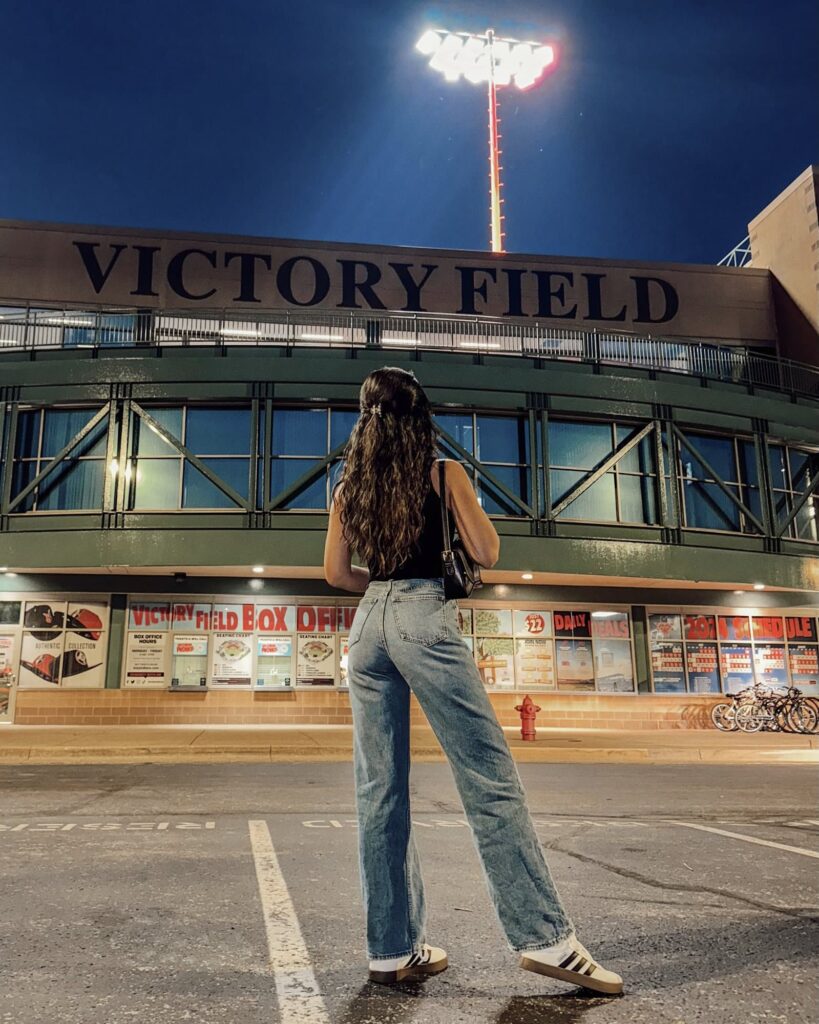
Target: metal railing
x: 32, y: 329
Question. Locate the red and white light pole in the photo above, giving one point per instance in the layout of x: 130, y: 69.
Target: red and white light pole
x: 498, y: 62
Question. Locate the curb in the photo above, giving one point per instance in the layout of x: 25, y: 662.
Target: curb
x: 267, y: 754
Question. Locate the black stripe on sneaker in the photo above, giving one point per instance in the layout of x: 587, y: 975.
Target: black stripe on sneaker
x: 590, y: 969
x: 564, y: 964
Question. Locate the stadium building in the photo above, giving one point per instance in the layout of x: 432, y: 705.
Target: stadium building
x: 174, y: 409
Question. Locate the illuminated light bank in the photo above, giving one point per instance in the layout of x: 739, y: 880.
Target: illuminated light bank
x: 479, y: 58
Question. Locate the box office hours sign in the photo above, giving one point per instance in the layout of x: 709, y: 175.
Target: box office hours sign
x: 176, y: 270
x: 146, y: 659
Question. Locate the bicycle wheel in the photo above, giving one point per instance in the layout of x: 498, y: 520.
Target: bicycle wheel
x: 802, y: 717
x: 780, y: 716
x: 724, y: 717
x: 748, y: 718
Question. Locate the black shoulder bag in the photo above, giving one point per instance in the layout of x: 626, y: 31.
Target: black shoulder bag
x: 461, y: 574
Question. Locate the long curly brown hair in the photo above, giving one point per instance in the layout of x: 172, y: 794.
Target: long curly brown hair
x: 387, y: 472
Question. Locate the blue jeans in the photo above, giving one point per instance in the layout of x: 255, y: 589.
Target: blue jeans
x: 405, y: 636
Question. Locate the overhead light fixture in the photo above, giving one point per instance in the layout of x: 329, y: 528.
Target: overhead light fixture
x: 739, y: 592
x: 496, y: 61
x: 258, y: 568
x: 11, y: 575
x: 759, y: 586
x: 320, y: 336
x: 429, y: 42
x: 526, y: 576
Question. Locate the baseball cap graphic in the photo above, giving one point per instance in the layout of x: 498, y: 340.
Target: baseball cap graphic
x: 45, y: 667
x: 86, y: 623
x: 75, y: 663
x: 44, y: 618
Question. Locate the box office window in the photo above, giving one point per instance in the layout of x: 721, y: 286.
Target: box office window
x: 232, y: 643
x: 76, y: 482
x: 235, y: 643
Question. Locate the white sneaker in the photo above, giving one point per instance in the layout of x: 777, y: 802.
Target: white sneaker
x: 428, y: 960
x: 570, y: 961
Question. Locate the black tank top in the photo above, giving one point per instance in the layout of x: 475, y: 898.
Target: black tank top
x: 424, y: 561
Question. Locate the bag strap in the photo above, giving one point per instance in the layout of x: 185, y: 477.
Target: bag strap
x: 444, y: 510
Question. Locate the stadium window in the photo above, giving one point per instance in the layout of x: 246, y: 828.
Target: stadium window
x: 625, y: 493
x: 705, y: 504
x: 76, y: 482
x: 501, y: 445
x: 163, y: 479
x: 793, y: 471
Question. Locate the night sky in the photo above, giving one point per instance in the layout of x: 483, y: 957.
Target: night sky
x: 665, y: 127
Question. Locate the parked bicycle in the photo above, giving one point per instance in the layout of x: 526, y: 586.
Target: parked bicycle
x: 758, y: 707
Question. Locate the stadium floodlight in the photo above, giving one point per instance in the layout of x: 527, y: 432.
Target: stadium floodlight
x: 498, y: 62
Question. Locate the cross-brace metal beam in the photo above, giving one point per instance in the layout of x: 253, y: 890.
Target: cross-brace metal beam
x: 798, y: 506
x: 194, y: 460
x: 611, y: 460
x: 484, y: 472
x: 304, y: 480
x: 717, y: 479
x: 61, y: 454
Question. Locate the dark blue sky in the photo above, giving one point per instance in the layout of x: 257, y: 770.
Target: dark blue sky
x: 666, y: 126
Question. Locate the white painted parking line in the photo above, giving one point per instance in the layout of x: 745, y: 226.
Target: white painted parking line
x: 329, y: 823
x: 749, y: 839
x: 300, y: 1000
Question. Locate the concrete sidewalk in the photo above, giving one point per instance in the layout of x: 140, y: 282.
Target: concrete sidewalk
x: 127, y: 744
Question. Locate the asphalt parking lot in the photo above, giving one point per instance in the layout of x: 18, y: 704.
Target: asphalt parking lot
x: 230, y: 893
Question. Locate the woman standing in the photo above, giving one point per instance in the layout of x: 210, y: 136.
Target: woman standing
x: 404, y: 637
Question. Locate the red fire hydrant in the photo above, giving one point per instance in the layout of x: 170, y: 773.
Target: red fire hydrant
x: 528, y: 710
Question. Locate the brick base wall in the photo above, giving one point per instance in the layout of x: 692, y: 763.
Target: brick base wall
x: 304, y: 707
